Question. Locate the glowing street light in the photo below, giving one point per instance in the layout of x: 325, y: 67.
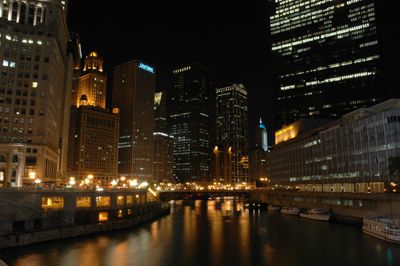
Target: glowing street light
x: 143, y: 184
x: 133, y: 183
x: 72, y: 181
x: 32, y: 175
x: 114, y: 182
x: 37, y: 181
x: 123, y: 178
x: 90, y: 177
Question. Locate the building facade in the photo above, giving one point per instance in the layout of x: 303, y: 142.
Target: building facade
x: 189, y: 122
x: 93, y: 144
x: 163, y: 163
x: 133, y: 94
x: 232, y: 127
x: 92, y: 83
x: 350, y: 154
x: 326, y: 58
x: 35, y: 91
x: 94, y: 130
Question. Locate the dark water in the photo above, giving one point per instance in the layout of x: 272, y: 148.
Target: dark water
x: 216, y: 233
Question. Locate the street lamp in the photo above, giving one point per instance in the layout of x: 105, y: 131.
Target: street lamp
x: 32, y: 175
x: 72, y: 181
x: 114, y: 182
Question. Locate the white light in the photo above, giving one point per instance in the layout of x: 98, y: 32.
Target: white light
x: 143, y: 184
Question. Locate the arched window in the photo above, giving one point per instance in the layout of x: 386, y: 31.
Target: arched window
x: 22, y: 13
x: 5, y: 9
x: 39, y: 14
x: 31, y: 14
x: 14, y: 14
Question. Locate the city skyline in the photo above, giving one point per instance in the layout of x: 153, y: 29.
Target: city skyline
x: 199, y: 133
x: 231, y: 39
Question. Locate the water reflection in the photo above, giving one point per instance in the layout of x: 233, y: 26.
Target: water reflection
x: 216, y: 232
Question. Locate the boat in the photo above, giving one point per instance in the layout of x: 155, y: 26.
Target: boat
x: 273, y: 208
x: 383, y: 227
x: 290, y: 210
x: 316, y: 214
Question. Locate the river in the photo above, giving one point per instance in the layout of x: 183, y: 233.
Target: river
x: 216, y: 232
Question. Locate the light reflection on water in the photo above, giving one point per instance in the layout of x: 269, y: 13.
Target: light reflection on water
x: 215, y: 232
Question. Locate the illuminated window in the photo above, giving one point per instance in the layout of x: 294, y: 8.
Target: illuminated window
x: 120, y: 214
x: 83, y: 202
x: 129, y: 200
x: 102, y: 201
x: 130, y: 212
x: 120, y: 200
x: 52, y: 202
x: 103, y: 216
x: 34, y: 84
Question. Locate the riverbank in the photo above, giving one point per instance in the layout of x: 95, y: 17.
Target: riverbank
x: 348, y: 208
x: 23, y: 239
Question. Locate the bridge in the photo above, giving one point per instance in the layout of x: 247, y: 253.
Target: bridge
x: 202, y: 194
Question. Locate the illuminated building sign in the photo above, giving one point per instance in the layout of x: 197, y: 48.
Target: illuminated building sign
x: 146, y: 67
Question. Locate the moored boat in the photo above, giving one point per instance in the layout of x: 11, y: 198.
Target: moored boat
x: 290, y: 210
x: 273, y: 208
x: 383, y: 227
x: 316, y: 214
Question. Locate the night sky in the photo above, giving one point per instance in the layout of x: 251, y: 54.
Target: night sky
x: 231, y: 39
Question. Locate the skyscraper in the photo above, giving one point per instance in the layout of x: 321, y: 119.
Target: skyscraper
x: 326, y: 58
x: 189, y: 122
x: 232, y: 127
x: 133, y: 93
x: 258, y: 153
x: 163, y: 142
x: 35, y: 91
x: 94, y: 131
x: 92, y: 82
x: 262, y: 136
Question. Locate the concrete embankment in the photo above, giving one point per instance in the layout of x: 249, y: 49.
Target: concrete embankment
x: 345, y: 207
x: 27, y: 238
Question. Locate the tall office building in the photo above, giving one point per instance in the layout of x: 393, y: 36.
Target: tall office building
x: 163, y: 142
x: 133, y: 93
x: 92, y: 83
x: 35, y: 91
x: 258, y: 153
x: 262, y: 136
x: 326, y: 58
x: 94, y: 131
x: 189, y: 122
x: 232, y: 127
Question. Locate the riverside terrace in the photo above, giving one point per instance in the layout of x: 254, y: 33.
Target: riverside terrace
x: 30, y: 216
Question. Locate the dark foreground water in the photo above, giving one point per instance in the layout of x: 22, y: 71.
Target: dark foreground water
x: 216, y: 232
